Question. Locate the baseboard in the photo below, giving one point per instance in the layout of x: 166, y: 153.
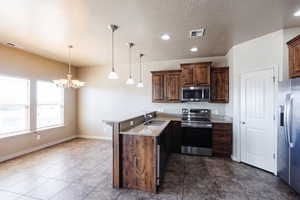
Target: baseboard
x: 235, y: 159
x: 15, y: 155
x: 94, y: 137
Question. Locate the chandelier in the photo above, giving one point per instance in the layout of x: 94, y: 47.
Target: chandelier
x: 68, y: 82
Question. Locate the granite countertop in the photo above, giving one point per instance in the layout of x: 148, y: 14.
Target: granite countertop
x: 156, y: 130
x: 220, y: 119
x: 123, y: 118
x: 148, y: 130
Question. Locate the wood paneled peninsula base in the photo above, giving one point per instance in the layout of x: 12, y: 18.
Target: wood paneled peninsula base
x: 141, y: 152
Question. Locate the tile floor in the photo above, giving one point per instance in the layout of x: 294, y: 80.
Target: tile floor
x: 81, y: 170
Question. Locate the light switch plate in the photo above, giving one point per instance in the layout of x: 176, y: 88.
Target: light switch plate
x: 131, y: 123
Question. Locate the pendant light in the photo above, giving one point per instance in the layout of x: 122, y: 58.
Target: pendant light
x: 112, y: 74
x: 140, y: 83
x: 68, y: 82
x: 130, y: 80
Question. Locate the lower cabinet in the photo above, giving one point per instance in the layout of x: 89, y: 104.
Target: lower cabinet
x: 144, y: 158
x: 222, y: 139
x: 138, y: 167
x: 176, y: 136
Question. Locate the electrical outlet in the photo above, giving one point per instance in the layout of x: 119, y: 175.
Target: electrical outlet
x: 131, y: 123
x: 38, y: 137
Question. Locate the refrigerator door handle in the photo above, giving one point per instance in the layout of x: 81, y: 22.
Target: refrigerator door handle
x: 289, y: 101
x: 286, y: 131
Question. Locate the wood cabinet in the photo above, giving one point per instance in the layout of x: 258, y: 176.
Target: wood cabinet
x: 176, y: 136
x: 157, y: 87
x: 222, y: 139
x: 294, y: 57
x: 138, y: 157
x: 196, y: 74
x: 164, y: 141
x: 166, y: 86
x: 219, y: 91
x: 187, y: 75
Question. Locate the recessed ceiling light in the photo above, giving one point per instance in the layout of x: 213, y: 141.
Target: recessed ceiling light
x: 165, y: 37
x: 297, y: 13
x: 194, y: 49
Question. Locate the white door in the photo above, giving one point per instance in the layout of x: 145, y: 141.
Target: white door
x: 257, y: 119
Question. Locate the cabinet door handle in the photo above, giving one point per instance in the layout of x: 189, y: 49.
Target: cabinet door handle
x: 135, y: 161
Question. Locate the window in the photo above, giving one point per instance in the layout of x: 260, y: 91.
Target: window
x: 50, y: 105
x: 14, y: 105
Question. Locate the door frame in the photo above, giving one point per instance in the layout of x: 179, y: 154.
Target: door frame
x: 275, y: 70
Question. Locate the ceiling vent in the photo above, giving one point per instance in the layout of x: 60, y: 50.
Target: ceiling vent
x: 11, y: 44
x: 197, y: 33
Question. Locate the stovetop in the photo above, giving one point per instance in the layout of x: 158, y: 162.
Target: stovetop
x: 196, y: 115
x: 196, y: 118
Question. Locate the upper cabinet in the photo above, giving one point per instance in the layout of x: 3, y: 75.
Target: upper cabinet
x: 294, y: 57
x: 219, y: 85
x: 187, y: 74
x: 196, y: 74
x: 157, y: 87
x: 166, y: 86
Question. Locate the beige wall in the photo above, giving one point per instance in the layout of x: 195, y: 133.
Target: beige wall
x: 14, y: 62
x: 112, y: 99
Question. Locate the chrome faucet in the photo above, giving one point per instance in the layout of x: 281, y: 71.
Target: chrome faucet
x: 147, y: 117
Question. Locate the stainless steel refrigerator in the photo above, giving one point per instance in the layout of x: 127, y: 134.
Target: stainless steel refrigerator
x: 288, y: 162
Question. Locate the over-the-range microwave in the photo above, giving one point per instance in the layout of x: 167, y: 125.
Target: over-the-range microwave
x: 195, y: 94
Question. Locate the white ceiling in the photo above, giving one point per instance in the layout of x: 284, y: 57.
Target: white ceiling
x: 46, y: 27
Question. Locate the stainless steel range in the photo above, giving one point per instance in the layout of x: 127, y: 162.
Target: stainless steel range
x: 197, y: 132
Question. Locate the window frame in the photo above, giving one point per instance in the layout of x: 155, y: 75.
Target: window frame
x: 26, y: 106
x: 61, y: 106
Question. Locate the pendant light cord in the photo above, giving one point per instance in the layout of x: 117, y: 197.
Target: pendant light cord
x: 112, y: 51
x: 140, y: 68
x: 130, y: 70
x: 70, y: 47
x: 141, y: 55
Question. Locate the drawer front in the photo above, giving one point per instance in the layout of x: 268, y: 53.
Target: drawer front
x: 222, y: 136
x: 222, y: 126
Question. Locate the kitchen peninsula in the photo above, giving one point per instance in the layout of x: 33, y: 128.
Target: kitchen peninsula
x: 141, y: 149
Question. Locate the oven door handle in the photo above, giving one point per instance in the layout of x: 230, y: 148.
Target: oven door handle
x: 196, y: 126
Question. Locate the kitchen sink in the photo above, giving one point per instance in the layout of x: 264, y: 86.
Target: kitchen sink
x: 154, y: 123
